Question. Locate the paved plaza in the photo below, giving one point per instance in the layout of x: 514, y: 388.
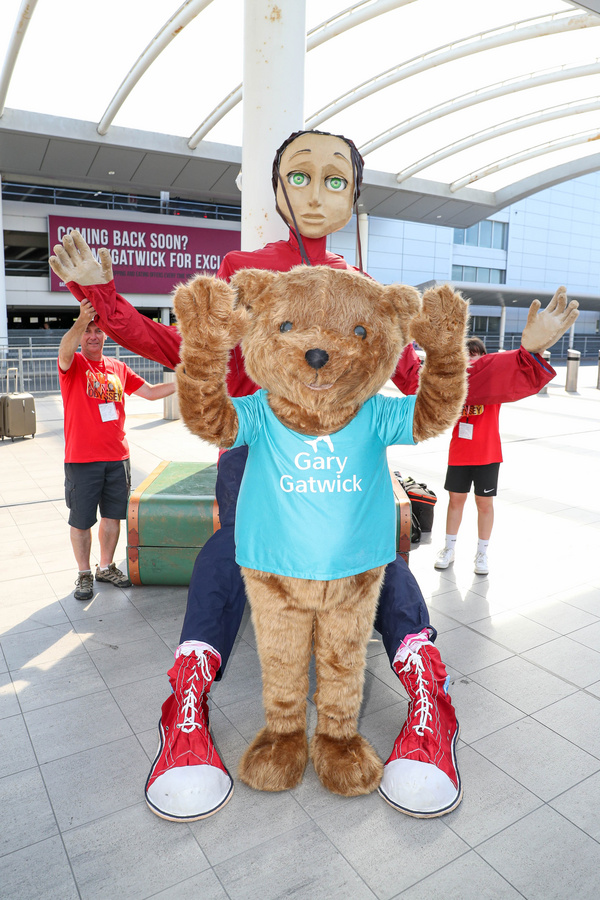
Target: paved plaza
x: 81, y: 685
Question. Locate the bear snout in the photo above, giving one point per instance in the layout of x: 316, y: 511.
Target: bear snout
x: 316, y: 358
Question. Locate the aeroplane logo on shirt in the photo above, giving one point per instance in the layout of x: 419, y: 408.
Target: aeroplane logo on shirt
x: 334, y: 466
x: 104, y: 386
x: 315, y: 442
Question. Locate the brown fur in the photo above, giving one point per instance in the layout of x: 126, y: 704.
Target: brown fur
x: 291, y: 615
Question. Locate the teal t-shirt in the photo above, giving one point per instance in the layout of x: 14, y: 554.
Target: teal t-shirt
x: 318, y: 508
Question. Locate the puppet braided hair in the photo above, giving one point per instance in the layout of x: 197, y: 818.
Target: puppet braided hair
x: 358, y: 162
x: 358, y: 165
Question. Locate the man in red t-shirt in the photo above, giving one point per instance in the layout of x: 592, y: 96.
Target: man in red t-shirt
x: 97, y: 469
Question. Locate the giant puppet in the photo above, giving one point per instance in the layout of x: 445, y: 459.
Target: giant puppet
x: 316, y: 178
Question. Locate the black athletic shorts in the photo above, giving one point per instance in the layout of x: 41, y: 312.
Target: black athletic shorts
x: 484, y: 479
x: 96, y: 485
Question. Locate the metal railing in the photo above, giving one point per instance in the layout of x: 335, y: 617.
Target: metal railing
x: 587, y: 344
x: 39, y: 374
x: 62, y: 196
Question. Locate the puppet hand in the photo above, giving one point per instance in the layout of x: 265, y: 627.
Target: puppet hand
x: 440, y: 326
x: 544, y: 328
x: 74, y: 261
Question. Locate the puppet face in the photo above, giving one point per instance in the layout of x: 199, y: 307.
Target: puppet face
x: 317, y: 173
x: 92, y: 342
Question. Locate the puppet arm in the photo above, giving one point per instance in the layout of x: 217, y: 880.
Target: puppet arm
x: 210, y: 327
x: 440, y: 330
x: 406, y: 376
x: 505, y: 377
x: 87, y: 278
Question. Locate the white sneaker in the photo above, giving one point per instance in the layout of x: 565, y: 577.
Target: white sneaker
x: 481, y: 564
x: 444, y: 558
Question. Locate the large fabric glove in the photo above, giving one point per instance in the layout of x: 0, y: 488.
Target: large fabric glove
x: 74, y: 261
x: 544, y: 328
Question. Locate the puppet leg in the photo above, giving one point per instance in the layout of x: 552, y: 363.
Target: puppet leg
x: 187, y: 780
x: 344, y: 761
x: 421, y: 776
x: 277, y: 757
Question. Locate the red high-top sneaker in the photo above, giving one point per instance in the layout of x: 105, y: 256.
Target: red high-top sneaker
x: 187, y: 780
x: 421, y: 776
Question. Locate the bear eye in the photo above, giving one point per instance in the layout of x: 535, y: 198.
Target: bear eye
x: 285, y: 326
x: 360, y: 331
x: 298, y: 179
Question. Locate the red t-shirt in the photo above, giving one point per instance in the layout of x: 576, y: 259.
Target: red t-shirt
x: 484, y: 446
x: 94, y: 402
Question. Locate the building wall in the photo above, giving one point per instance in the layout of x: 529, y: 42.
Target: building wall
x: 553, y: 239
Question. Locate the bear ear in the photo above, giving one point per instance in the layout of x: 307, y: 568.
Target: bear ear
x: 406, y: 301
x: 251, y: 285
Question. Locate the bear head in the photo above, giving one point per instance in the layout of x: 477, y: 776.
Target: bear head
x: 321, y: 341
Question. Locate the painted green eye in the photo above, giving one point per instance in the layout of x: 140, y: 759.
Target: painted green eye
x: 360, y: 331
x: 286, y: 326
x: 298, y: 179
x: 336, y: 183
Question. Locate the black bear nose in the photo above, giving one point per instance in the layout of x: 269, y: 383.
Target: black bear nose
x: 316, y: 358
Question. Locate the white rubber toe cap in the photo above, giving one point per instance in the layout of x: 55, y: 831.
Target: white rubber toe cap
x: 187, y: 793
x: 419, y: 789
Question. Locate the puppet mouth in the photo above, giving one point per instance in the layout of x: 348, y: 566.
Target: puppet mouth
x: 319, y: 387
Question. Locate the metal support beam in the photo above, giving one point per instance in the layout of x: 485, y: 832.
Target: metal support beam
x: 23, y: 19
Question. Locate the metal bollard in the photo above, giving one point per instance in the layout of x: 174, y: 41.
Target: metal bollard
x: 546, y: 355
x: 170, y: 404
x: 572, y: 370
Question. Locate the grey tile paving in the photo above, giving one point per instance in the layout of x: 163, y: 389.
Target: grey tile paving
x: 545, y: 857
x: 81, y: 686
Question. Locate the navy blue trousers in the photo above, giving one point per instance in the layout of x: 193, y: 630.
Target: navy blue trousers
x: 216, y: 596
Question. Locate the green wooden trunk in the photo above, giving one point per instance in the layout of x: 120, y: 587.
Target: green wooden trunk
x: 170, y: 517
x: 174, y: 512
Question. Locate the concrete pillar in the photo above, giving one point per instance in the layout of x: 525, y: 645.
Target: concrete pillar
x: 502, y: 328
x: 3, y: 309
x: 165, y: 315
x: 273, y: 107
x: 363, y: 234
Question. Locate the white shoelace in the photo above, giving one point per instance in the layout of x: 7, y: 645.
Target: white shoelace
x: 191, y: 696
x: 424, y: 704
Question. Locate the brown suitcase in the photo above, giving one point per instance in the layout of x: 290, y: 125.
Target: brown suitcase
x: 17, y: 415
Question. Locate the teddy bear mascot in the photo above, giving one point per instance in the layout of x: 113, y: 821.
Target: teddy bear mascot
x: 317, y: 177
x: 315, y: 518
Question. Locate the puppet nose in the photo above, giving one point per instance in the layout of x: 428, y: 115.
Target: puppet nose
x: 316, y: 358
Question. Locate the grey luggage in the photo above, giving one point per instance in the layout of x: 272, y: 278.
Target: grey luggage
x: 17, y: 411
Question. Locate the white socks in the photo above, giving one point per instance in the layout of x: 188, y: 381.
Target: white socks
x: 482, y: 546
x: 451, y: 541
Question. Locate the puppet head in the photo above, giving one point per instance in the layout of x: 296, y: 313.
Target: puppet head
x: 316, y: 179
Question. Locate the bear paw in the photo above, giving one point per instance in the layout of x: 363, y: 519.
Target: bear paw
x: 440, y: 326
x: 274, y: 762
x: 346, y: 766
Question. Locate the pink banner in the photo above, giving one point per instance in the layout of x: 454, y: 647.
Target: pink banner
x: 147, y: 258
